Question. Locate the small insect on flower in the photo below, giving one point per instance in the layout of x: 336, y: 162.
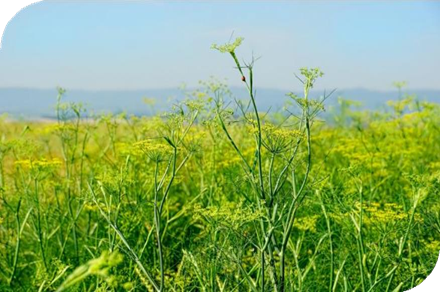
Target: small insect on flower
x: 243, y: 78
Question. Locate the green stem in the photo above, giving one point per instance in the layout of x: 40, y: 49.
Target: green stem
x: 157, y: 227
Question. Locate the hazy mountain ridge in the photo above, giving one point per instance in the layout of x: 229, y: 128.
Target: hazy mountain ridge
x: 40, y: 103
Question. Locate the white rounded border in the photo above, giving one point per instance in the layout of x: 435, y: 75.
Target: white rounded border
x: 19, y: 10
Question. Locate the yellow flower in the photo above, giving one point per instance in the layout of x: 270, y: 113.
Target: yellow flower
x: 306, y: 223
x: 229, y: 47
x: 154, y: 149
x: 39, y: 164
x: 278, y: 139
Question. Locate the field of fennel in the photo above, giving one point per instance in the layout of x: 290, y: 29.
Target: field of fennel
x: 218, y: 196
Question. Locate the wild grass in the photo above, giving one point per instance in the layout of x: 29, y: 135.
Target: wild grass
x: 218, y: 196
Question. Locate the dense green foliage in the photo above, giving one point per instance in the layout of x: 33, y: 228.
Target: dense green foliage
x: 220, y: 197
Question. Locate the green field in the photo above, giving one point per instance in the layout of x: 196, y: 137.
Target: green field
x: 217, y: 196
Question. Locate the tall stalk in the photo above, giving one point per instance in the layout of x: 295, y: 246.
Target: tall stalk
x: 267, y: 199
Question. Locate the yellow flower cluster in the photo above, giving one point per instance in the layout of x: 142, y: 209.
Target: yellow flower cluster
x: 379, y: 214
x: 306, y: 223
x: 281, y: 133
x: 229, y: 47
x: 278, y: 139
x: 433, y: 245
x: 194, y: 140
x: 435, y: 165
x: 154, y: 149
x: 228, y: 213
x: 39, y: 164
x: 125, y: 149
x: 57, y: 128
x: 400, y: 105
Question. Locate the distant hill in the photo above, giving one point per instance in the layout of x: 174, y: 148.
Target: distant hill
x: 40, y: 103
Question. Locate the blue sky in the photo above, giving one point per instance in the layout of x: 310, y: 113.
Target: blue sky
x: 140, y: 45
